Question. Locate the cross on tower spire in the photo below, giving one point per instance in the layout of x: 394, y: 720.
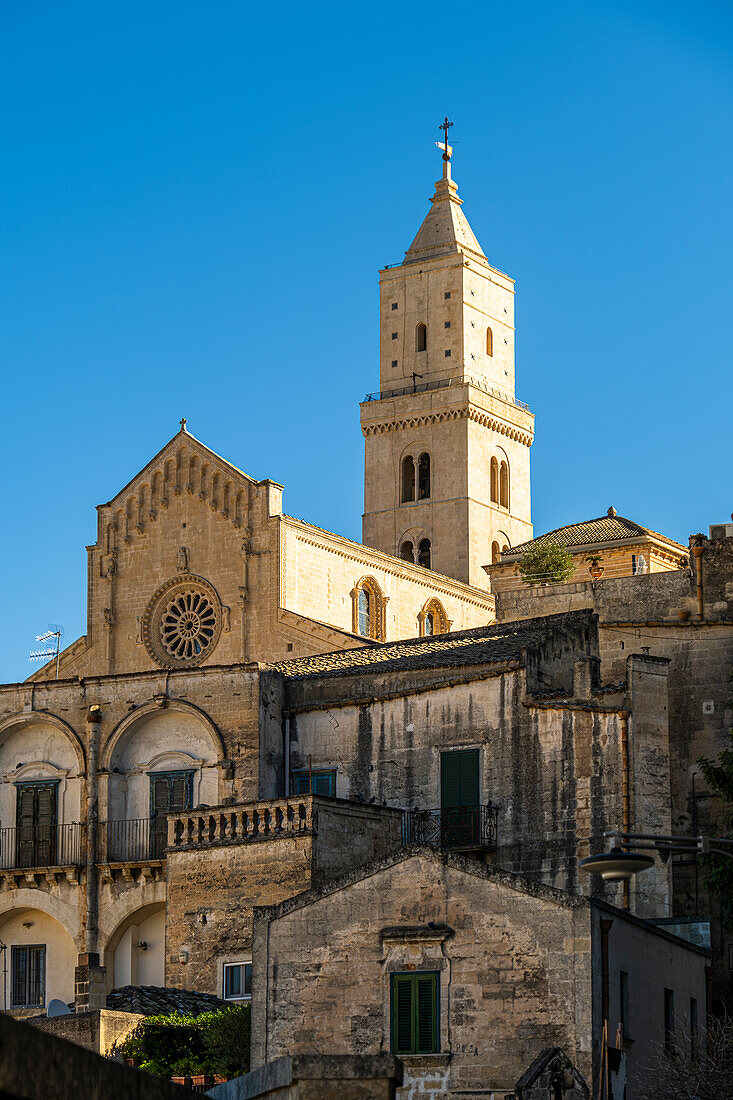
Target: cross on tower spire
x: 183, y: 423
x: 445, y: 127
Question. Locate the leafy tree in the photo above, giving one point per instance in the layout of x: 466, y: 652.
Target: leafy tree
x: 548, y: 564
x: 178, y: 1045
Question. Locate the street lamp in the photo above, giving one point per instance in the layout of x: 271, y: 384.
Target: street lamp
x: 625, y: 856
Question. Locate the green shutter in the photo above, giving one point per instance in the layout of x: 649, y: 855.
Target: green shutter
x: 459, y: 778
x: 426, y: 1013
x: 415, y: 1013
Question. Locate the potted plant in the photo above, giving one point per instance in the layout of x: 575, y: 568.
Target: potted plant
x: 594, y: 567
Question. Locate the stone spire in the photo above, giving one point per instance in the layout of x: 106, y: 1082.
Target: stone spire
x: 445, y: 228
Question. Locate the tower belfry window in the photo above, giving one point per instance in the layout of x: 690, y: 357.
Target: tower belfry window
x: 423, y: 478
x: 423, y: 553
x: 494, y: 481
x: 504, y: 485
x: 408, y: 479
x: 421, y: 337
x: 489, y: 342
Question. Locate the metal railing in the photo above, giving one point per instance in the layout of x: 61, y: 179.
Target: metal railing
x: 441, y: 383
x: 238, y: 825
x: 460, y: 828
x: 133, y: 841
x: 43, y: 846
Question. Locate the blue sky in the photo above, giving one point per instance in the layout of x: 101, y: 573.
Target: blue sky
x: 196, y: 200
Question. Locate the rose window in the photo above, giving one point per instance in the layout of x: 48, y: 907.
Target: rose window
x: 188, y: 625
x: 183, y: 621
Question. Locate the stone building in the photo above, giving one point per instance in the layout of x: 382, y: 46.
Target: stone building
x: 260, y: 707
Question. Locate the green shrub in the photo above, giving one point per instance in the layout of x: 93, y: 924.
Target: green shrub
x: 178, y: 1046
x: 546, y: 564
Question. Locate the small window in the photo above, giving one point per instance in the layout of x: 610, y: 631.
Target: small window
x: 394, y: 305
x: 394, y: 335
x: 407, y: 551
x: 693, y: 1023
x: 423, y: 477
x: 495, y: 481
x: 433, y: 619
x: 495, y: 553
x: 504, y: 485
x: 429, y: 624
x: 315, y: 782
x: 365, y: 613
x: 394, y: 362
x: 669, y: 1019
x: 415, y: 1008
x: 28, y: 976
x: 446, y: 324
x: 623, y: 1003
x: 447, y: 353
x: 489, y: 342
x: 408, y: 479
x: 289, y: 647
x: 446, y: 294
x: 423, y: 553
x: 238, y: 981
x: 421, y: 337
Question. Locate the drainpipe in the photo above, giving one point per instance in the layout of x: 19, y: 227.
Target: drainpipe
x: 625, y: 797
x: 94, y: 719
x: 698, y: 552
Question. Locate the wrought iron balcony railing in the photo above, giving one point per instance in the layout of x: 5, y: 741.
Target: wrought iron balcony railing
x: 458, y: 829
x: 133, y: 841
x: 31, y: 846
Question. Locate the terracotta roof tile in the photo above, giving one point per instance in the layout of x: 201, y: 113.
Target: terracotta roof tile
x: 592, y: 532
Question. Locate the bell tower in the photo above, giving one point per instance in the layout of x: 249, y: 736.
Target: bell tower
x: 446, y: 479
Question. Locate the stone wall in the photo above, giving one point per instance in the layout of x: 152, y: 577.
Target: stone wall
x: 214, y: 885
x: 97, y: 1031
x: 514, y: 965
x: 651, y: 596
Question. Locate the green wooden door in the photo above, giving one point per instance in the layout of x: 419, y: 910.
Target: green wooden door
x: 459, y: 798
x: 170, y: 792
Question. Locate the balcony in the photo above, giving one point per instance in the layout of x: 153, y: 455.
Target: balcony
x: 40, y: 847
x: 459, y: 829
x: 133, y: 841
x: 241, y: 824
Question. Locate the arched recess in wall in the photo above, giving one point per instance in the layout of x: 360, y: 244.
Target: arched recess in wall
x: 504, y: 484
x: 177, y: 740
x: 126, y: 960
x: 495, y: 552
x: 407, y: 550
x: 421, y: 337
x: 489, y: 342
x: 41, y: 786
x: 407, y: 479
x: 433, y: 619
x: 41, y: 950
x: 425, y: 553
x: 503, y: 542
x: 368, y: 610
x: 423, y: 476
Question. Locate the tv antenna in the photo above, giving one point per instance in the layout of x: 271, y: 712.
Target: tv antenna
x: 56, y: 633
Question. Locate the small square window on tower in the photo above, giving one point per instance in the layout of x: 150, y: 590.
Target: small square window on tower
x: 447, y: 353
x: 447, y: 294
x: 394, y: 362
x: 394, y: 305
x: 446, y: 324
x: 394, y: 335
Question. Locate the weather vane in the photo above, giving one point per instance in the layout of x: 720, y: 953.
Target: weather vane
x: 445, y: 127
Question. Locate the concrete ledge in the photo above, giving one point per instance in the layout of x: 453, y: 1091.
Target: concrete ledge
x: 383, y: 1072
x: 36, y: 1066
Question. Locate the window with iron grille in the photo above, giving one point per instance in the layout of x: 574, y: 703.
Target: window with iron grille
x: 414, y: 1003
x: 28, y: 976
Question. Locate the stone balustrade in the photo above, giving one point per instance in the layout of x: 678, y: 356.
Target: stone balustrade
x: 224, y: 825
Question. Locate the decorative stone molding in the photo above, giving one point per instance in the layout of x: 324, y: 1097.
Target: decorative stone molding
x: 476, y: 415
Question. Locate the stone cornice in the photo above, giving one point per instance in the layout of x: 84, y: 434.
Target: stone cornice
x: 492, y: 423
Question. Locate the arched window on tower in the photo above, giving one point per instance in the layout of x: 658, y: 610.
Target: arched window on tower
x: 368, y: 609
x: 494, y: 481
x: 433, y: 619
x: 423, y: 553
x: 423, y: 477
x: 504, y: 485
x: 421, y: 337
x: 408, y: 479
x: 407, y: 551
x: 495, y: 553
x: 489, y: 342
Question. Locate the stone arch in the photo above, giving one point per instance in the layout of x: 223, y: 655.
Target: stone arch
x: 34, y: 917
x: 39, y: 717
x: 138, y: 715
x: 132, y: 923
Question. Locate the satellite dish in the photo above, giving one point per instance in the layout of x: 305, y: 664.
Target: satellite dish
x: 57, y: 1008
